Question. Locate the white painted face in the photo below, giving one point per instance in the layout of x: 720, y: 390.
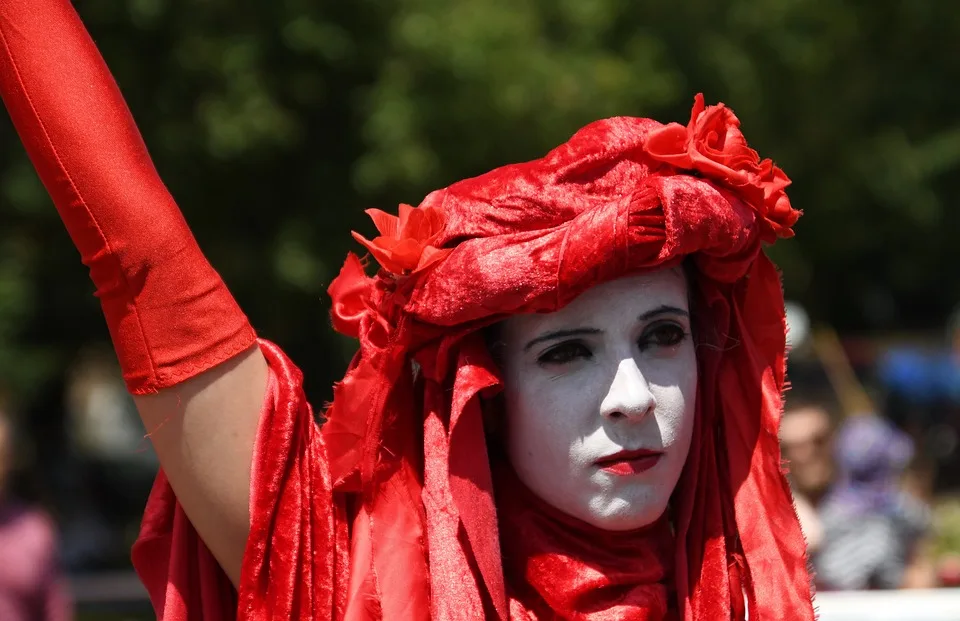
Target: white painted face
x: 613, y: 371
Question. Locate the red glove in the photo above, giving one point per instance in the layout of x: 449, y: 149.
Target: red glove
x: 169, y: 313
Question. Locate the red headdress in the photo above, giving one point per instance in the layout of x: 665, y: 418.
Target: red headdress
x: 623, y: 195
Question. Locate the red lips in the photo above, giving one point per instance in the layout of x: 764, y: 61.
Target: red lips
x: 629, y: 462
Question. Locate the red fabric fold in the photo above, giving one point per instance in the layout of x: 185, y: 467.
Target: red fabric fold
x: 297, y: 560
x: 559, y: 567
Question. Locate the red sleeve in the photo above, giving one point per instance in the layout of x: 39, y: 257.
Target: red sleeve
x: 170, y: 315
x: 295, y: 562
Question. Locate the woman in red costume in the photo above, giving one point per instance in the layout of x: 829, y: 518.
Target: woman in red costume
x: 564, y: 405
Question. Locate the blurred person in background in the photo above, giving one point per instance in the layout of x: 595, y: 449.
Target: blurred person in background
x: 870, y: 529
x: 32, y: 586
x: 806, y: 444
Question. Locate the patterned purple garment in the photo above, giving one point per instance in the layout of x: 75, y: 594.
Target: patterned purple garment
x: 31, y: 585
x: 870, y: 527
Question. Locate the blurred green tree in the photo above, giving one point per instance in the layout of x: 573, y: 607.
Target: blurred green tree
x: 276, y: 123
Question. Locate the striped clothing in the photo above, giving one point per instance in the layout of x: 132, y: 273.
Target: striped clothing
x: 868, y: 551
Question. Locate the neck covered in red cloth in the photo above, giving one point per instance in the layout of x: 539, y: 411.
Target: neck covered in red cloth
x: 557, y: 566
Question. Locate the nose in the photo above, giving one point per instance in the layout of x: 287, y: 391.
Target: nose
x: 629, y: 396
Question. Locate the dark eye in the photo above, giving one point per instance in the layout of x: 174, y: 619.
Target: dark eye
x: 565, y: 352
x: 663, y: 335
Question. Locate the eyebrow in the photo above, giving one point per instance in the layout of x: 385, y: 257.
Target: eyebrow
x: 663, y: 309
x: 560, y: 334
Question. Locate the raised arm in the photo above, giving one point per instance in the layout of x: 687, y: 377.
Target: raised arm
x: 188, y: 354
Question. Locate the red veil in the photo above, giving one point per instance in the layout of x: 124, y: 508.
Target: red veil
x: 624, y: 195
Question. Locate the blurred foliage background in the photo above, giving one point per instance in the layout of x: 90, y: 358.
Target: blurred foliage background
x: 275, y: 123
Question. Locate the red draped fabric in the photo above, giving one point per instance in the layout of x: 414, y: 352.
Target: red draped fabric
x: 622, y: 196
x: 295, y: 565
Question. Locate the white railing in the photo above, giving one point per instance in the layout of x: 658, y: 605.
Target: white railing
x: 911, y: 605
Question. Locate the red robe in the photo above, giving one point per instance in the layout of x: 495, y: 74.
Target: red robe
x: 293, y: 567
x: 297, y: 560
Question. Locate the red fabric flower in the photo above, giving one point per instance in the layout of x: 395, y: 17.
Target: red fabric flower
x: 350, y: 292
x: 712, y: 145
x: 405, y: 243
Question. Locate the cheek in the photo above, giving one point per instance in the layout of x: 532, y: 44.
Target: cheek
x: 545, y: 418
x: 676, y: 405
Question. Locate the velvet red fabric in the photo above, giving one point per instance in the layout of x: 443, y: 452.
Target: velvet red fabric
x: 388, y: 511
x: 298, y: 553
x: 559, y: 567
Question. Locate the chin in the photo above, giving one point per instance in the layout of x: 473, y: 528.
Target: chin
x: 621, y: 514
